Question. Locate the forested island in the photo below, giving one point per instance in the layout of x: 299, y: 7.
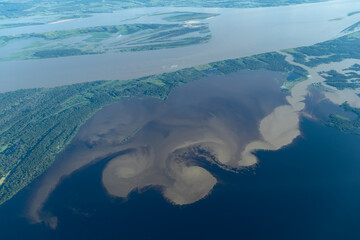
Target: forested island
x: 341, y: 81
x: 345, y: 124
x: 104, y: 39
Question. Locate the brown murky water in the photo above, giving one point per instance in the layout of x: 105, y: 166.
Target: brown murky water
x: 215, y: 117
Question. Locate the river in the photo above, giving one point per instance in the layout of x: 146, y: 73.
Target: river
x: 235, y: 33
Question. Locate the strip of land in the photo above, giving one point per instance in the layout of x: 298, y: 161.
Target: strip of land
x: 102, y: 39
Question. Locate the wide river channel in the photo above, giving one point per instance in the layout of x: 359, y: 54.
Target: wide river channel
x: 235, y: 33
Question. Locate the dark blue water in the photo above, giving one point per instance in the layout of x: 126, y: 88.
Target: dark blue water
x: 309, y: 190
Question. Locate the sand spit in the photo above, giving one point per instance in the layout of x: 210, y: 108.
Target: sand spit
x: 192, y: 22
x: 61, y: 21
x: 2, y: 180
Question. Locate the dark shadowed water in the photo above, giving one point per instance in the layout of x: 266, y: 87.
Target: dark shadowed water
x: 308, y: 190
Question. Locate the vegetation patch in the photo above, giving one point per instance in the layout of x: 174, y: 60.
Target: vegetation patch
x: 355, y: 67
x: 341, y: 81
x: 345, y: 124
x: 15, y: 25
x: 334, y: 50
